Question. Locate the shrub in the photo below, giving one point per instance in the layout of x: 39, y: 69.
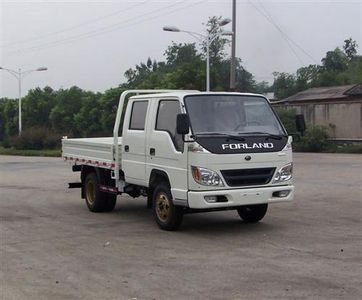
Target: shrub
x: 314, y: 140
x: 287, y: 116
x: 36, y: 138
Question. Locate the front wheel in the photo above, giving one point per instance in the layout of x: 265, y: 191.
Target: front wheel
x: 252, y: 213
x: 167, y: 215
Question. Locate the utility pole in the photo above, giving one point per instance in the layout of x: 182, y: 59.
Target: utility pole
x: 232, y: 60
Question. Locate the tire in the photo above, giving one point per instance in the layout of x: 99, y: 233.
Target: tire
x: 252, y: 213
x: 167, y: 215
x: 96, y: 200
x: 110, y: 202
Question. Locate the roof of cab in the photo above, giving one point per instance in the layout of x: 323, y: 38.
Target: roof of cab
x: 183, y: 93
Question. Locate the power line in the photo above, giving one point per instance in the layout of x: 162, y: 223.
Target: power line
x: 289, y: 38
x: 285, y: 36
x: 278, y: 28
x: 105, y: 29
x: 72, y: 27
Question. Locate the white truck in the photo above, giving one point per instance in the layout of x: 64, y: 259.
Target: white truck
x: 187, y: 151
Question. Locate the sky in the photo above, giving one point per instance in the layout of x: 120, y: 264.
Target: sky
x: 91, y: 44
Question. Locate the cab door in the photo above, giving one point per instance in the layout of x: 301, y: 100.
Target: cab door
x: 134, y: 142
x: 165, y: 149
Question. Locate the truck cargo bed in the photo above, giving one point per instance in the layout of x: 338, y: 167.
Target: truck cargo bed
x: 90, y: 151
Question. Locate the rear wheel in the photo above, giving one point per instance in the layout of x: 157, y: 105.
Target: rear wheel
x: 167, y: 215
x: 96, y: 200
x: 111, y: 202
x: 252, y: 213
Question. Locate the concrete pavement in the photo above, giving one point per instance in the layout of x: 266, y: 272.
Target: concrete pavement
x: 52, y: 247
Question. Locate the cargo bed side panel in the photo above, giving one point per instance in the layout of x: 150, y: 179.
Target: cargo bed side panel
x: 93, y: 151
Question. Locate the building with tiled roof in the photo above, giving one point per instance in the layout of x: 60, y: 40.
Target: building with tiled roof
x: 339, y: 108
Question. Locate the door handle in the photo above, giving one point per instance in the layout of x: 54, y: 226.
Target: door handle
x: 152, y: 151
x: 126, y: 148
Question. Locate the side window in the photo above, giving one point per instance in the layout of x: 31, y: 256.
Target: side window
x: 166, y: 121
x: 138, y: 115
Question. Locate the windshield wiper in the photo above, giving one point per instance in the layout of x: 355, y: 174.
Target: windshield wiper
x: 266, y: 134
x: 228, y: 136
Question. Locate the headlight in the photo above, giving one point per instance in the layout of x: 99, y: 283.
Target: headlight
x: 206, y: 177
x: 284, y: 174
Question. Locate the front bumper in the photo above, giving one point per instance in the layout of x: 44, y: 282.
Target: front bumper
x: 239, y: 197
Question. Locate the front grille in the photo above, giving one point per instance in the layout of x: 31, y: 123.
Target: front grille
x: 243, y: 177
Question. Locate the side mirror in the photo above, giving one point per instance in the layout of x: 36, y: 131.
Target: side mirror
x: 300, y: 123
x: 182, y: 124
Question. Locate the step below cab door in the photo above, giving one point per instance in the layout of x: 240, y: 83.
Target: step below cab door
x: 165, y: 149
x: 134, y: 142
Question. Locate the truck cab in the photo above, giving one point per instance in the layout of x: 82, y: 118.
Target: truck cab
x: 234, y: 153
x: 191, y: 151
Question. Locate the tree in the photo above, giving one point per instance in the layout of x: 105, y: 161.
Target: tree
x: 217, y: 46
x: 180, y: 53
x: 262, y: 87
x: 284, y: 85
x: 350, y: 48
x: 36, y: 107
x: 68, y: 102
x: 8, y: 118
x: 244, y: 80
x: 337, y: 68
x: 184, y: 67
x: 87, y: 119
x: 307, y: 77
x: 108, y: 109
x: 335, y: 61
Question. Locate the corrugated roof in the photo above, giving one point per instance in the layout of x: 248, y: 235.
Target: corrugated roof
x: 325, y: 93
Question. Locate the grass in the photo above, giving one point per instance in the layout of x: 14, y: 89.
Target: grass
x: 20, y: 152
x: 346, y: 149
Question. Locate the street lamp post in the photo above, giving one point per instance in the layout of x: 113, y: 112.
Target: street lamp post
x: 19, y: 75
x: 207, y: 38
x: 233, y: 45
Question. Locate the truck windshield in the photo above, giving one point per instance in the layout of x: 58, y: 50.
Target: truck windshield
x: 232, y: 114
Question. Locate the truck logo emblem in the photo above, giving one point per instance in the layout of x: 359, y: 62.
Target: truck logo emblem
x: 248, y: 157
x: 246, y: 146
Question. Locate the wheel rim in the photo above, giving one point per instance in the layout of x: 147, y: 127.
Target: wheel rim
x: 90, y: 192
x: 163, y: 209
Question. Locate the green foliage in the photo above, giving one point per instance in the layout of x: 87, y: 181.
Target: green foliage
x: 184, y: 68
x: 287, y: 116
x: 284, y: 85
x: 67, y: 104
x: 315, y: 139
x: 217, y: 52
x: 307, y: 77
x: 108, y: 110
x: 338, y: 68
x: 36, y: 138
x: 8, y: 118
x: 262, y: 87
x: 350, y: 48
x: 335, y: 61
x: 38, y: 102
